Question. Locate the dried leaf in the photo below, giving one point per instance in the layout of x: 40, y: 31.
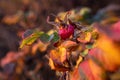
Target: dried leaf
x: 59, y: 55
x: 84, y: 37
x: 51, y: 63
x: 78, y: 61
x: 68, y: 44
x: 57, y: 66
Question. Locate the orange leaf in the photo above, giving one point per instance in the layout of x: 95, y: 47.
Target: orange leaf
x: 68, y: 44
x: 57, y: 66
x: 88, y: 70
x: 108, y: 53
x: 101, y: 58
x: 108, y: 49
x: 85, y: 37
x: 59, y: 55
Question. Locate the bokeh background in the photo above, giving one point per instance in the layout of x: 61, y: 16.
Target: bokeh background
x: 16, y: 16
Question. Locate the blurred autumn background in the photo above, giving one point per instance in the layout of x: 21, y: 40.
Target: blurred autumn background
x: 30, y: 63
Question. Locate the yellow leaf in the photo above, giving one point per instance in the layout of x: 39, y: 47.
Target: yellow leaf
x: 111, y: 51
x: 51, y: 63
x: 59, y: 54
x: 85, y: 37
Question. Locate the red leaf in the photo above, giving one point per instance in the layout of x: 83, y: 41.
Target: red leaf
x: 88, y: 70
x: 112, y: 31
x: 107, y: 61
